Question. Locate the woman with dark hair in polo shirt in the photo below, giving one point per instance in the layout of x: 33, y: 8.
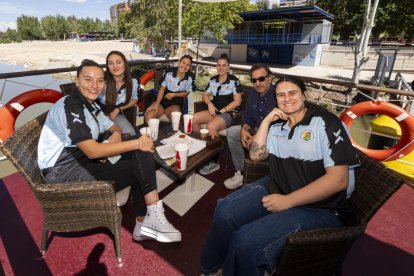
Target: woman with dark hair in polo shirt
x: 69, y: 150
x: 176, y: 83
x: 310, y: 168
x: 225, y: 89
x: 121, y: 91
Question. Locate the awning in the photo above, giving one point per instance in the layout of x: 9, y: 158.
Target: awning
x: 312, y: 12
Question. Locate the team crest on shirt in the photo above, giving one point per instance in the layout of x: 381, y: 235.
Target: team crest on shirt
x: 307, y: 135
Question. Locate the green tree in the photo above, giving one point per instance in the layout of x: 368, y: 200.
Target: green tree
x: 263, y: 4
x: 86, y: 25
x: 395, y: 17
x: 214, y: 18
x: 29, y: 27
x: 13, y: 35
x: 72, y: 23
x: 157, y: 25
x: 161, y: 23
x: 55, y: 27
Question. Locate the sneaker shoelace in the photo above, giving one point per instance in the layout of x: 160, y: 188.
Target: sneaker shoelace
x: 162, y: 220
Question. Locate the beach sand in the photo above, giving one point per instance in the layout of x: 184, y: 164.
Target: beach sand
x: 47, y: 54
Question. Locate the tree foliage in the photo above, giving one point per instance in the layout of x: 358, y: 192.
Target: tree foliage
x: 263, y: 4
x: 394, y: 18
x: 57, y: 27
x: 150, y: 19
x: 29, y: 27
x: 54, y: 27
x: 157, y: 20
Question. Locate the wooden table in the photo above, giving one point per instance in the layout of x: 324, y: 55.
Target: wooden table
x: 195, y: 186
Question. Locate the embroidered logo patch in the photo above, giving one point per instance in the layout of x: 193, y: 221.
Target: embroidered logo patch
x: 307, y: 135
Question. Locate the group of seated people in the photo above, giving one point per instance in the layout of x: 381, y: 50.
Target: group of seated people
x: 310, y: 156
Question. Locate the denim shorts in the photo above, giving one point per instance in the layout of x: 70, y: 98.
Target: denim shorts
x: 227, y: 117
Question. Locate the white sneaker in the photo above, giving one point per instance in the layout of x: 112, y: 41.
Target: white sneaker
x: 156, y: 225
x: 209, y: 168
x: 137, y: 236
x: 234, y: 181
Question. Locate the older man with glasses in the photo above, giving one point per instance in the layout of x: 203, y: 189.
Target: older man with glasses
x: 260, y: 101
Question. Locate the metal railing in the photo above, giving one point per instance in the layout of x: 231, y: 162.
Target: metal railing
x: 406, y: 94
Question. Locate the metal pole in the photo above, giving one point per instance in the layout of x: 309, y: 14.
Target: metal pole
x: 180, y: 11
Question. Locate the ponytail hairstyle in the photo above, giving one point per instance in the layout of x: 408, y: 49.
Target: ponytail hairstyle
x: 225, y: 57
x: 86, y: 63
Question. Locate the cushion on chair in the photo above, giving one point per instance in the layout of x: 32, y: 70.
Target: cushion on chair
x: 122, y: 196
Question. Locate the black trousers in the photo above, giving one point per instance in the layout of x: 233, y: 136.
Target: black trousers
x: 135, y: 169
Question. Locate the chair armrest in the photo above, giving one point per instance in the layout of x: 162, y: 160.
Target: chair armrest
x: 254, y: 170
x: 131, y: 115
x: 200, y: 106
x: 339, y: 235
x: 148, y: 97
x: 317, y: 252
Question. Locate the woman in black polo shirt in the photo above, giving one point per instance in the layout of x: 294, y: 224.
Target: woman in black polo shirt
x: 176, y: 83
x: 225, y: 89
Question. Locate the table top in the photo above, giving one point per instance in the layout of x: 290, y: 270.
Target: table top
x: 194, y: 161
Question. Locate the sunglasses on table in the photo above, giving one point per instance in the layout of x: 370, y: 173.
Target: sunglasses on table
x: 261, y: 79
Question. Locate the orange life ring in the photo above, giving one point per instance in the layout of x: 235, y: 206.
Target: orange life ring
x: 403, y: 118
x: 15, y: 106
x: 143, y: 80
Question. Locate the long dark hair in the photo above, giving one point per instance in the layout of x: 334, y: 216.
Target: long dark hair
x: 111, y: 92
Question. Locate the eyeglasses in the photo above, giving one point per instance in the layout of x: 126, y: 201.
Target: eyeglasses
x: 261, y: 79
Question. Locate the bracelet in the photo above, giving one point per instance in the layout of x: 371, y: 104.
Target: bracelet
x: 120, y: 110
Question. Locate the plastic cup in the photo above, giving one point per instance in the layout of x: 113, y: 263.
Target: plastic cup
x: 181, y: 154
x: 188, y: 123
x: 145, y: 131
x: 204, y: 133
x: 175, y: 120
x: 154, y: 125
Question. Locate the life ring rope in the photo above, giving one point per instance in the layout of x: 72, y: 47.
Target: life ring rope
x: 406, y: 142
x: 15, y: 106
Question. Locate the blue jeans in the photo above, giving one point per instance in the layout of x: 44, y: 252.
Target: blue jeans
x: 246, y: 239
x: 236, y: 149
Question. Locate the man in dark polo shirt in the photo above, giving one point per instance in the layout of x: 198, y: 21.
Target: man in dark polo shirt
x: 260, y: 101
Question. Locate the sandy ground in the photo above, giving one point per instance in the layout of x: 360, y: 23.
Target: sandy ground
x: 47, y: 54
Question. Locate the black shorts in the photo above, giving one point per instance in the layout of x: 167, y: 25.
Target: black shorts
x: 174, y: 101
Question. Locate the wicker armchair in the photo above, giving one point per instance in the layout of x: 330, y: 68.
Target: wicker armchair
x: 67, y: 207
x: 322, y: 251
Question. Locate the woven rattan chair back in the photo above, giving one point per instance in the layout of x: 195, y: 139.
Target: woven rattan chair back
x: 374, y: 185
x: 21, y: 150
x: 67, y: 207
